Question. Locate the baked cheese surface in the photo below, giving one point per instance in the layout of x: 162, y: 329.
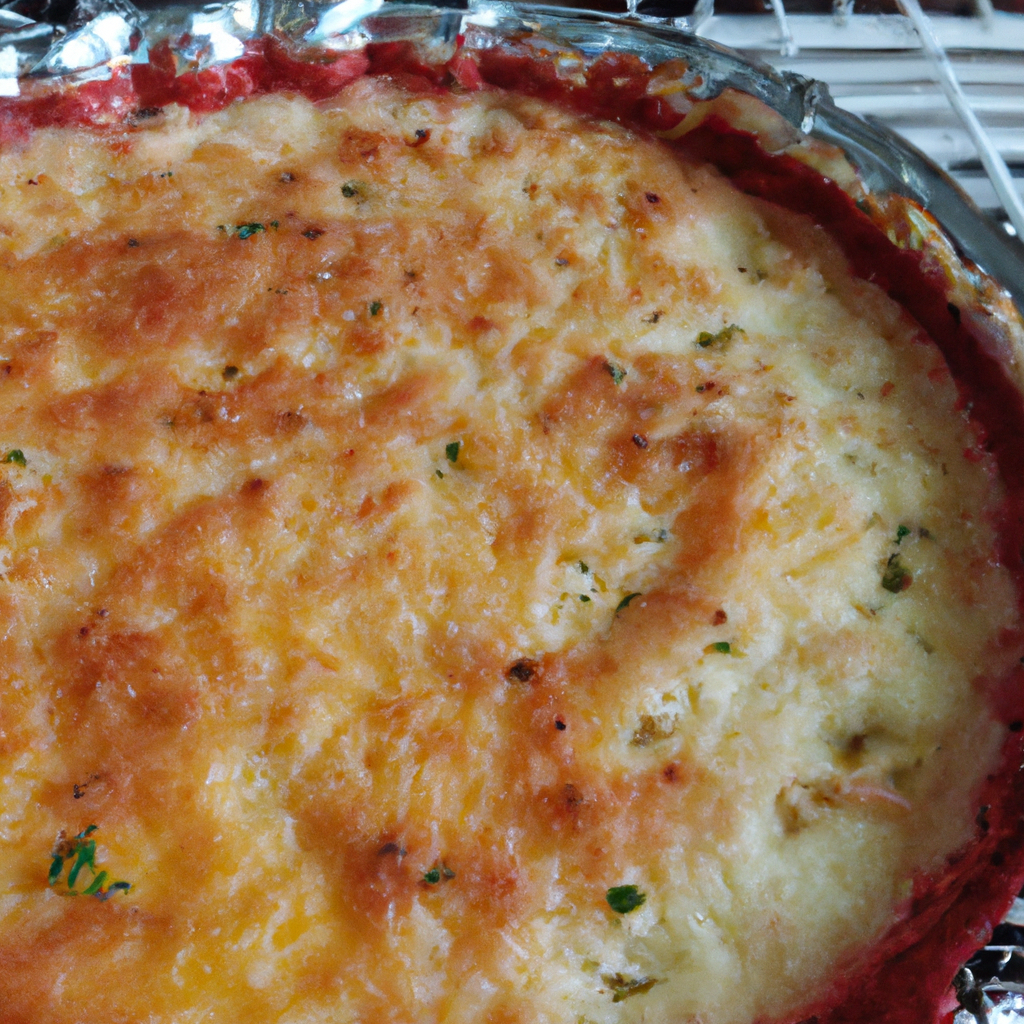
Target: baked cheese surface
x: 470, y: 564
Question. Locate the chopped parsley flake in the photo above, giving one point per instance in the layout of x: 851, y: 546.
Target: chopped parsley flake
x: 895, y: 579
x: 624, y: 603
x: 17, y: 456
x: 350, y: 189
x: 375, y: 307
x: 706, y: 339
x: 79, y: 854
x: 248, y: 230
x: 451, y: 450
x: 439, y: 872
x: 584, y: 599
x: 901, y: 532
x: 439, y: 474
x: 584, y: 568
x: 721, y: 647
x: 623, y: 988
x: 617, y: 372
x: 624, y: 898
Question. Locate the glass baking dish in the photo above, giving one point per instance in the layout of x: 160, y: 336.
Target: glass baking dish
x: 35, y: 56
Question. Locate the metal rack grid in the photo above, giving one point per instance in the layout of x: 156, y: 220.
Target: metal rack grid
x: 951, y: 84
x: 949, y: 79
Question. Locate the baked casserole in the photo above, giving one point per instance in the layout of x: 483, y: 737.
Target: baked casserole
x: 476, y: 548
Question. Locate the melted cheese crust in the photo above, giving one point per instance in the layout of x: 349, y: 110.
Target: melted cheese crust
x: 366, y: 718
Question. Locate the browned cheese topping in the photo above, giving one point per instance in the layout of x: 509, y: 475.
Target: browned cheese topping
x: 471, y: 565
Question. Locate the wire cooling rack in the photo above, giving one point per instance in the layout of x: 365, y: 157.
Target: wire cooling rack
x: 949, y: 78
x: 950, y: 82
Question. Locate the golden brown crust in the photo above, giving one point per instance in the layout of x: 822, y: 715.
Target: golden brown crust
x: 417, y: 541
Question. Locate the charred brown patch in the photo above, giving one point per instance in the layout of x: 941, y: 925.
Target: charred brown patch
x: 112, y: 498
x: 7, y: 514
x: 666, y: 470
x: 589, y: 397
x: 525, y: 670
x: 481, y: 325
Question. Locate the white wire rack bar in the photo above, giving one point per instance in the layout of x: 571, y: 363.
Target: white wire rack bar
x: 875, y: 66
x: 1004, y: 33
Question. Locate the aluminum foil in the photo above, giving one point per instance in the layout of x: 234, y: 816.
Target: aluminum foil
x: 105, y: 34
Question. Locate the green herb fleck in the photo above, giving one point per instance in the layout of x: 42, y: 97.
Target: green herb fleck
x: 584, y: 568
x: 901, y: 532
x: 617, y: 372
x: 624, y: 603
x: 95, y: 885
x: 722, y: 647
x: 623, y: 987
x: 439, y: 872
x: 452, y: 450
x: 17, y: 456
x: 584, y: 599
x: 440, y: 475
x: 248, y: 230
x: 706, y: 339
x: 624, y: 898
x: 85, y: 857
x: 375, y: 307
x: 80, y: 854
x: 895, y: 578
x: 275, y: 224
x: 56, y: 868
x: 350, y: 189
